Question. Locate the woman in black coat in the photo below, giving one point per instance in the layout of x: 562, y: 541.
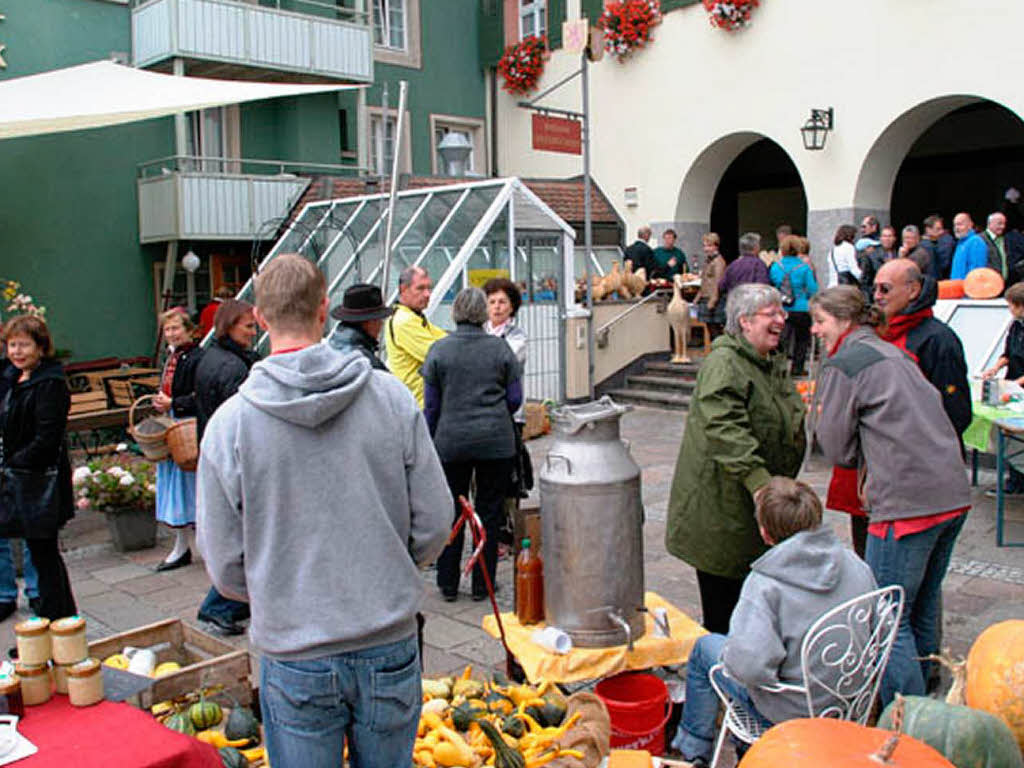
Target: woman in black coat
x: 33, y: 424
x: 224, y: 366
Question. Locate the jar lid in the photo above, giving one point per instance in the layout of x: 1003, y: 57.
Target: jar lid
x: 67, y: 626
x: 9, y: 685
x: 27, y: 670
x: 37, y: 625
x: 84, y: 668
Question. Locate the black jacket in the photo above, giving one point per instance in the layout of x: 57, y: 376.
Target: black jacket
x: 1014, y: 350
x: 347, y: 338
x: 641, y: 254
x: 221, y: 370
x: 940, y: 356
x: 1013, y: 244
x: 33, y: 424
x: 183, y: 385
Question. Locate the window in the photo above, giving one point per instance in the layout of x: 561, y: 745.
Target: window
x: 382, y: 142
x: 389, y: 24
x: 533, y: 18
x: 212, y: 133
x: 472, y: 130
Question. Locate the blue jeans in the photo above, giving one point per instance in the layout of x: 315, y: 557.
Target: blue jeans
x: 695, y: 737
x: 917, y: 563
x: 215, y: 604
x: 8, y: 585
x: 372, y: 697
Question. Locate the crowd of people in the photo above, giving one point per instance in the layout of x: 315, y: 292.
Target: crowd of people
x: 320, y: 465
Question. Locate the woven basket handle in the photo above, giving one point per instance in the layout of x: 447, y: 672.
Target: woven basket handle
x: 131, y: 411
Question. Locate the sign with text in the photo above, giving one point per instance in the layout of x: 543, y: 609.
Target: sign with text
x: 557, y: 134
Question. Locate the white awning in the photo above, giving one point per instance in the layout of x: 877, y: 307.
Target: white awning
x: 104, y: 93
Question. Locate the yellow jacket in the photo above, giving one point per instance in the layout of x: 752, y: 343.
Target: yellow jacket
x: 407, y: 338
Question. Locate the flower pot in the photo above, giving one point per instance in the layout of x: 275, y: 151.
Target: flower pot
x: 132, y: 529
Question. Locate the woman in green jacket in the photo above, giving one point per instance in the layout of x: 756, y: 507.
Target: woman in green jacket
x: 746, y: 423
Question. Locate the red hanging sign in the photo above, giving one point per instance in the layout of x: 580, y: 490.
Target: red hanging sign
x: 557, y: 134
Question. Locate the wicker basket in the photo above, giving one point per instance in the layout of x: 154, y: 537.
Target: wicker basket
x: 183, y: 440
x: 536, y: 420
x: 150, y: 433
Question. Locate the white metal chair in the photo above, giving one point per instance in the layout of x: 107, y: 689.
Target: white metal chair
x: 852, y: 642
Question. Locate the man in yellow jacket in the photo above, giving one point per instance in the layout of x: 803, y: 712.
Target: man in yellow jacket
x: 409, y: 334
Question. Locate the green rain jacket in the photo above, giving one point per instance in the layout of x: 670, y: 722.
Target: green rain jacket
x: 746, y: 423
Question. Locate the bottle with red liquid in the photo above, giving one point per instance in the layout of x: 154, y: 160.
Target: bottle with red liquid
x: 529, y: 585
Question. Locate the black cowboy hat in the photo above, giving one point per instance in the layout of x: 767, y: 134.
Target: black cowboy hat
x: 361, y: 302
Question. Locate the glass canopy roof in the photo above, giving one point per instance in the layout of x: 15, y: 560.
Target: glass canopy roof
x: 461, y: 234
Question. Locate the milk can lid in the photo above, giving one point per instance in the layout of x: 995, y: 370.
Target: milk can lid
x: 572, y: 418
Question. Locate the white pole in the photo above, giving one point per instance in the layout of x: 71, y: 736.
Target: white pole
x: 403, y: 93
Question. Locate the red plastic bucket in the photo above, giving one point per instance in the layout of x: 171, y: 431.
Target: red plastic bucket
x: 639, y: 707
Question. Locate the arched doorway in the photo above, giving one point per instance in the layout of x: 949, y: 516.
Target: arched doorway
x: 743, y: 182
x: 964, y: 162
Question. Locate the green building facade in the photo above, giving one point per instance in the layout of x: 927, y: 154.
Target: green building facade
x: 70, y: 202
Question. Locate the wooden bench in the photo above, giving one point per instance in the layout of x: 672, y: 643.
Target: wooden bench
x: 90, y: 421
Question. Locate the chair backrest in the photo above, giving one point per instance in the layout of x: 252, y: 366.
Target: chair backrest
x: 845, y: 652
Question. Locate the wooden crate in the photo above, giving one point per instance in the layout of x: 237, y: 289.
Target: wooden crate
x: 206, y: 660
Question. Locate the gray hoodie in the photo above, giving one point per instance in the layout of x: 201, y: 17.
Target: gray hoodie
x: 789, y: 587
x: 319, y: 494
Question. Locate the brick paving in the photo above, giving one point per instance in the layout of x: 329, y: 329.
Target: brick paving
x: 117, y: 592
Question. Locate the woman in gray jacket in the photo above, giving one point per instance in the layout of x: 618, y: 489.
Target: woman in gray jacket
x: 472, y: 384
x: 880, y: 416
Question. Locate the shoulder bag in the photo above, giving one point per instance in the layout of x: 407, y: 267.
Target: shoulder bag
x: 29, y: 498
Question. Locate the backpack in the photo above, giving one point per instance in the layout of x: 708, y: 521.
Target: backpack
x: 786, y: 288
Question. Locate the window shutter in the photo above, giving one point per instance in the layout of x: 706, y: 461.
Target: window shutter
x: 556, y: 15
x: 592, y: 10
x: 671, y: 5
x: 492, y: 32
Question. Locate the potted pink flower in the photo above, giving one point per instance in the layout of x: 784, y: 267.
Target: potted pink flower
x: 123, y: 487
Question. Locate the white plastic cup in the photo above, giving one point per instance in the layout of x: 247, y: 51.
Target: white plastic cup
x: 552, y: 639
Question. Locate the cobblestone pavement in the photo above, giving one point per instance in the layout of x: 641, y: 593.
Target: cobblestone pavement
x: 119, y: 591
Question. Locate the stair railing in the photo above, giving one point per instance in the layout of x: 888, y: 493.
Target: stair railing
x: 601, y: 334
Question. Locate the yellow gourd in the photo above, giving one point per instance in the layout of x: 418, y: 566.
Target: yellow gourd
x: 217, y: 739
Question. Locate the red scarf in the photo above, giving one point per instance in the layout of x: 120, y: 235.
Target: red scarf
x: 896, y: 330
x: 167, y: 377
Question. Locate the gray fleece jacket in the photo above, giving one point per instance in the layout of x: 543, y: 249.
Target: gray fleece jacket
x: 319, y: 495
x: 878, y: 409
x: 789, y: 587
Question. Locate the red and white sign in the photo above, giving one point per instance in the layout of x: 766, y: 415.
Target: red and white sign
x: 557, y: 134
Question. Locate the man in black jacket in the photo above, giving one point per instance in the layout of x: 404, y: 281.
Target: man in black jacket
x: 361, y: 315
x: 640, y: 252
x: 906, y: 298
x: 1005, y: 248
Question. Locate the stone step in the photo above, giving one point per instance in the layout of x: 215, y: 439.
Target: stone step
x: 675, y: 369
x: 662, y: 383
x: 651, y: 397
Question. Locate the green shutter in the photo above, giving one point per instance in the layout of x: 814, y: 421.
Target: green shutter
x: 492, y: 32
x: 592, y: 10
x: 671, y: 5
x: 556, y: 15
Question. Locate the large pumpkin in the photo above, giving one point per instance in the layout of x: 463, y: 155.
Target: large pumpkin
x: 819, y: 742
x: 968, y: 738
x: 995, y: 674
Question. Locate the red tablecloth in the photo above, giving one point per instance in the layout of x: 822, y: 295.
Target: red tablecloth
x: 107, y: 735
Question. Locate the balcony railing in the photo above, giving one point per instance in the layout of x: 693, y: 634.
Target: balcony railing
x: 216, y: 37
x: 216, y: 198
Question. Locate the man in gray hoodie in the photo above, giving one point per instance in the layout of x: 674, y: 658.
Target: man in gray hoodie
x: 319, y: 496
x: 807, y: 572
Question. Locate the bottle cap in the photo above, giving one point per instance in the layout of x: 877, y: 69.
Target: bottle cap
x: 526, y: 543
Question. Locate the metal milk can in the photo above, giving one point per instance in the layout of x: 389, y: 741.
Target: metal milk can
x: 592, y: 528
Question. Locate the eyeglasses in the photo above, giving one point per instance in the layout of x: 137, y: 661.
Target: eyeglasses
x: 884, y: 288
x: 771, y: 313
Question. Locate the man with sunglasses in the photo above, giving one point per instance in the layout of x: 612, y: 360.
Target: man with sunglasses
x: 906, y: 298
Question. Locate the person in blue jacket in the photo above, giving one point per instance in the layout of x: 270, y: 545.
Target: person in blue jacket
x: 971, y: 251
x: 803, y: 286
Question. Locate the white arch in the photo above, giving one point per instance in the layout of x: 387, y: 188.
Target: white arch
x: 697, y: 192
x: 877, y: 176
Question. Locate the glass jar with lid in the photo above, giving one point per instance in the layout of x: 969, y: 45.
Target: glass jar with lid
x: 36, y: 683
x: 68, y: 641
x: 11, y: 702
x: 33, y: 639
x: 85, y: 683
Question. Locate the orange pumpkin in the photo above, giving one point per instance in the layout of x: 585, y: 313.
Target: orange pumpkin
x: 995, y: 674
x: 817, y: 742
x: 983, y: 283
x: 951, y: 289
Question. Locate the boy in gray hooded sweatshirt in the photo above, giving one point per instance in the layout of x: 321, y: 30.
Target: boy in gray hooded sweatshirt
x: 319, y: 496
x: 806, y: 572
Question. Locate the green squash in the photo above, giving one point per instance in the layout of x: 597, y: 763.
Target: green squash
x: 968, y: 738
x: 205, y: 714
x: 181, y: 722
x: 514, y: 726
x: 464, y: 715
x: 554, y: 709
x: 504, y: 755
x: 232, y: 758
x: 242, y: 724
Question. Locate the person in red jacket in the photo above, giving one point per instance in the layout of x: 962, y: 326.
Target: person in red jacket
x: 210, y: 310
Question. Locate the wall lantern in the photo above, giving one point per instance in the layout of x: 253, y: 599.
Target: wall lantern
x: 190, y: 262
x: 815, y: 130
